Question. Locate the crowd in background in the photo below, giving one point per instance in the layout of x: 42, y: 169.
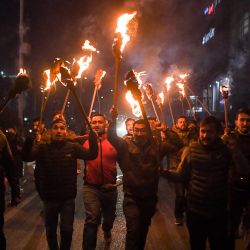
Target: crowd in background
x: 207, y: 167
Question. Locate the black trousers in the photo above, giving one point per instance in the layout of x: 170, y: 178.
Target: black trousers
x: 202, y: 228
x: 2, y: 207
x: 138, y: 214
x: 238, y: 201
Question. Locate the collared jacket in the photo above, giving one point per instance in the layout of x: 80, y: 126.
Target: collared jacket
x: 101, y: 170
x: 206, y: 170
x: 56, y: 166
x: 139, y: 164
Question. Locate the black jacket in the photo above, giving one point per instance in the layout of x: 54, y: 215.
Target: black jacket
x: 206, y: 169
x: 139, y: 165
x: 56, y: 166
x: 8, y: 169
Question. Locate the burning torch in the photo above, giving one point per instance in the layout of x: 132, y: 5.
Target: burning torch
x: 133, y: 86
x: 98, y: 83
x: 167, y: 87
x: 79, y: 66
x: 120, y: 40
x: 22, y: 83
x: 67, y: 80
x: 150, y: 94
x: 160, y: 101
x: 224, y: 92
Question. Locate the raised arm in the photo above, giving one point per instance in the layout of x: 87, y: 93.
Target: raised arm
x: 92, y: 152
x: 114, y: 139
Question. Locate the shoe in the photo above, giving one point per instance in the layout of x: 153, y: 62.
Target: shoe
x: 178, y: 221
x: 107, y: 237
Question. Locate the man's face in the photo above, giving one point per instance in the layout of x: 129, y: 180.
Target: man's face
x: 140, y: 134
x: 11, y: 131
x: 36, y: 126
x: 243, y: 123
x: 59, y: 131
x: 129, y: 126
x: 98, y: 124
x: 181, y: 124
x: 208, y: 134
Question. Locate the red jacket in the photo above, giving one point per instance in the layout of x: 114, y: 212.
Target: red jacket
x: 101, y: 170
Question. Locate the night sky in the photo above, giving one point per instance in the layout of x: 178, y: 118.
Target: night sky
x: 164, y: 39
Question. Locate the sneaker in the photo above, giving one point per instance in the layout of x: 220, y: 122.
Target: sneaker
x: 107, y: 237
x: 178, y: 222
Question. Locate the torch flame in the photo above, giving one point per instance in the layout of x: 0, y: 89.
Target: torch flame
x: 181, y: 88
x: 136, y: 110
x: 84, y: 61
x: 160, y: 98
x: 122, y: 28
x: 224, y: 88
x: 98, y: 78
x: 22, y: 71
x: 48, y: 82
x: 168, y: 82
x: 183, y: 76
x: 88, y: 46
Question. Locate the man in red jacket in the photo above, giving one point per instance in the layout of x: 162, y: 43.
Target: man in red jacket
x: 99, y: 189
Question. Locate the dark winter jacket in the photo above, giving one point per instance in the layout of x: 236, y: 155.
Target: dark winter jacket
x: 206, y: 169
x: 237, y: 180
x: 8, y: 169
x: 56, y: 166
x: 139, y: 164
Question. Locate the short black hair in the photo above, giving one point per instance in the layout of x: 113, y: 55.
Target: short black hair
x: 181, y: 117
x: 212, y: 120
x: 152, y: 118
x: 129, y: 119
x: 140, y: 121
x: 37, y: 119
x: 242, y: 111
x: 102, y: 115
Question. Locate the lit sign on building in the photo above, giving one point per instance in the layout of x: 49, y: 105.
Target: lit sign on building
x: 211, y: 8
x: 208, y: 36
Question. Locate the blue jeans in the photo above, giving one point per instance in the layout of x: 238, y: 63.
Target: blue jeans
x: 97, y: 203
x: 52, y: 210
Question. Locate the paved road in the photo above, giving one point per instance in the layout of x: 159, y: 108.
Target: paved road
x: 25, y: 231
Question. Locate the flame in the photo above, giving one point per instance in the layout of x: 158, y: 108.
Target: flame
x: 136, y: 110
x: 224, y: 88
x: 181, y: 88
x: 160, y: 98
x: 122, y: 28
x: 48, y: 82
x: 98, y: 78
x: 87, y: 46
x: 22, y: 71
x: 168, y: 82
x: 139, y: 76
x: 183, y: 76
x: 85, y: 61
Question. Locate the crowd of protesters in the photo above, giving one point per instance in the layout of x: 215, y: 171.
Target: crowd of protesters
x: 207, y: 169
